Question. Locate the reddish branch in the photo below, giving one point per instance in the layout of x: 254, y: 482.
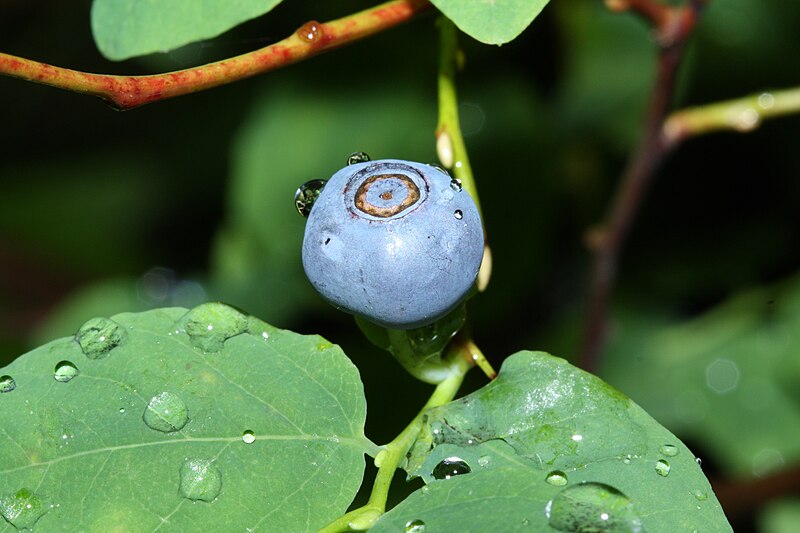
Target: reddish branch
x: 127, y: 92
x: 672, y: 26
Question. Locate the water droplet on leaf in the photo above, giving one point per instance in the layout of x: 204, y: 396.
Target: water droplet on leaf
x: 209, y: 325
x: 200, y: 480
x: 98, y: 336
x: 248, y: 437
x: 65, y: 371
x: 669, y: 450
x: 7, y: 384
x: 357, y: 157
x: 306, y: 195
x: 592, y: 508
x: 449, y: 467
x: 415, y: 526
x: 166, y: 412
x: 701, y: 495
x: 22, y: 509
x: 556, y: 478
x: 662, y: 468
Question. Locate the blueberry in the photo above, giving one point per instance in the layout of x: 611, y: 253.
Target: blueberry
x: 396, y: 242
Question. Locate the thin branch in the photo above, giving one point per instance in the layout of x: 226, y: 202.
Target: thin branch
x: 127, y: 92
x: 672, y: 26
x: 742, y: 114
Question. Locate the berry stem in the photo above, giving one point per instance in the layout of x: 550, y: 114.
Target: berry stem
x: 127, y: 92
x: 450, y: 146
x: 391, y: 457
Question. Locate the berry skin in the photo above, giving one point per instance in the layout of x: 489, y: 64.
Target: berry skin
x: 396, y: 242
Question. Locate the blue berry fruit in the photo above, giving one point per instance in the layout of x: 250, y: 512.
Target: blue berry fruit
x: 396, y: 242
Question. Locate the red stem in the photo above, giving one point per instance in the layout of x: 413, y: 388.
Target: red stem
x: 127, y: 92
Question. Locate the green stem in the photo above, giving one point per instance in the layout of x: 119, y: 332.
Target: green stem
x: 741, y: 114
x: 449, y: 142
x: 126, y: 92
x: 394, y: 453
x: 450, y: 145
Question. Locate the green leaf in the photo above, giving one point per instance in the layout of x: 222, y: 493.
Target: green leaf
x: 200, y: 420
x: 129, y: 28
x: 491, y: 21
x: 727, y: 380
x: 547, y: 446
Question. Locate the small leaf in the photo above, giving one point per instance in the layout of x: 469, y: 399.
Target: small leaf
x: 129, y: 28
x: 547, y: 446
x: 491, y: 21
x: 206, y: 419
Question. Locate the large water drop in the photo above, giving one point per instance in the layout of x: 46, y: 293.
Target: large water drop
x: 22, y: 509
x: 449, y: 467
x: 98, y: 336
x: 209, y: 325
x: 592, y: 508
x: 65, y: 371
x: 166, y: 412
x: 200, y: 480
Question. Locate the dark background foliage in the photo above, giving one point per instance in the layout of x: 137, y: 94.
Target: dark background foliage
x: 191, y: 199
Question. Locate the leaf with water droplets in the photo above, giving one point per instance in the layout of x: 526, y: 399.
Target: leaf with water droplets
x: 178, y: 418
x: 548, y: 447
x: 129, y: 28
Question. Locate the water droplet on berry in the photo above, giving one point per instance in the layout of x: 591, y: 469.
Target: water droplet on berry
x: 357, y: 157
x: 306, y: 195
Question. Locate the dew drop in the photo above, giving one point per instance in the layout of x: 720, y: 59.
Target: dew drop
x: 98, y: 336
x: 65, y: 371
x: 484, y: 460
x: 449, y: 467
x: 248, y: 437
x: 310, y: 32
x: 357, y: 157
x: 440, y: 168
x: 698, y: 461
x: 669, y: 450
x: 209, y: 325
x: 592, y: 507
x: 22, y: 509
x: 662, y: 468
x: 166, y: 412
x: 415, y: 526
x: 122, y: 410
x: 7, y: 384
x: 200, y: 480
x: 455, y: 184
x: 458, y: 214
x: 556, y: 478
x: 307, y: 194
x: 700, y: 495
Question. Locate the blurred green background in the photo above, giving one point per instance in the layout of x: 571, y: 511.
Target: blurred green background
x: 190, y: 200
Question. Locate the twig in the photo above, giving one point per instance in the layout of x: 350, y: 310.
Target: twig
x: 742, y: 114
x: 127, y: 92
x: 672, y: 26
